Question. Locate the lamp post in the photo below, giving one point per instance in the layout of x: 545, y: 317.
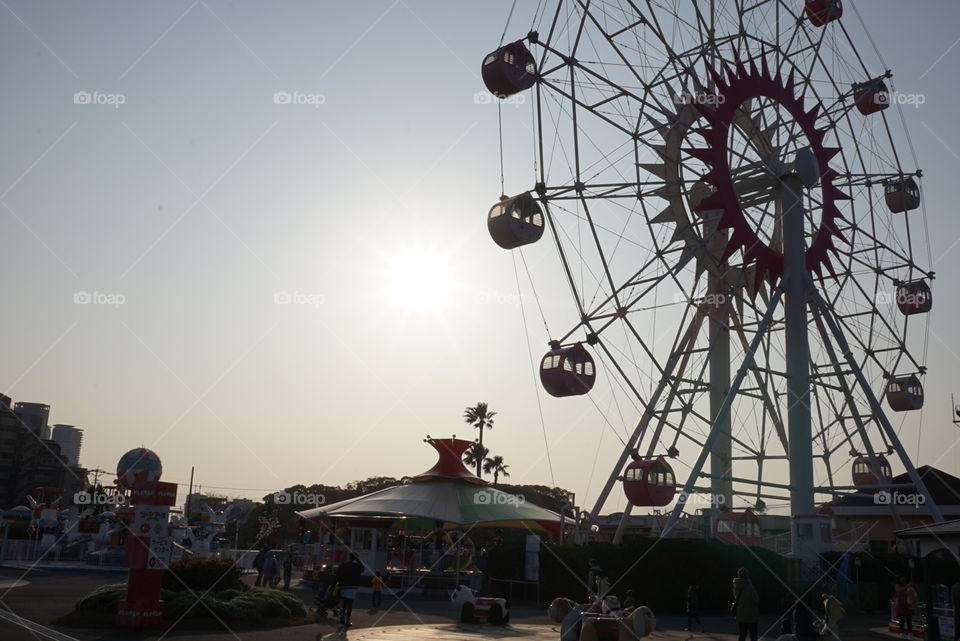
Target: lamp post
x: 856, y: 563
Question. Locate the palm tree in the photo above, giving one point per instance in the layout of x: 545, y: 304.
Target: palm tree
x: 480, y: 417
x: 474, y: 455
x: 495, y: 465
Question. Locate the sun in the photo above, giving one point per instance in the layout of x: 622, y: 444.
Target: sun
x: 419, y: 280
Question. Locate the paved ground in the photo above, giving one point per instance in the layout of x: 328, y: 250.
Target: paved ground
x: 49, y: 594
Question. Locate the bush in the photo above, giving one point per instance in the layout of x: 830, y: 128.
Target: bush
x: 188, y: 606
x: 201, y: 575
x: 274, y: 603
x: 245, y: 608
x: 235, y: 605
x: 104, y: 599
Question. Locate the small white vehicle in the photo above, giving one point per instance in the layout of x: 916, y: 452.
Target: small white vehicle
x: 472, y: 607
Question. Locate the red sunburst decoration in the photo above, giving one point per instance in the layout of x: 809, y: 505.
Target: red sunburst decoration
x: 743, y: 83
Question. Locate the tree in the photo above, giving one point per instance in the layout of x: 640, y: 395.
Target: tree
x: 481, y: 418
x: 474, y: 456
x: 495, y: 466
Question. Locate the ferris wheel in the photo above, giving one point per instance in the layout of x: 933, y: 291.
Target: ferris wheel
x: 736, y: 209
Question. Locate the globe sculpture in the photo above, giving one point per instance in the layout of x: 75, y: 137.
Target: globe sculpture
x: 137, y: 466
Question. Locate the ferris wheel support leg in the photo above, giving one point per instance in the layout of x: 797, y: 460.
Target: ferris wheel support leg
x: 857, y: 419
x: 618, y: 535
x: 724, y: 411
x: 721, y: 456
x: 648, y: 412
x: 878, y: 412
x: 797, y: 353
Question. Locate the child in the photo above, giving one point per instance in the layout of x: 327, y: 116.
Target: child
x: 377, y: 583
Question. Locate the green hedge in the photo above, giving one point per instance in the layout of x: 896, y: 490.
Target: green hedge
x: 249, y: 606
x: 660, y: 570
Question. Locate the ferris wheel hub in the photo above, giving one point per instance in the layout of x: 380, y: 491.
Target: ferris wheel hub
x: 740, y: 85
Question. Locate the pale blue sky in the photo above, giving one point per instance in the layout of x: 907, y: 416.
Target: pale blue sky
x: 199, y: 199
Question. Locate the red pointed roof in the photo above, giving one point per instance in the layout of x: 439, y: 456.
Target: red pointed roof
x: 449, y: 464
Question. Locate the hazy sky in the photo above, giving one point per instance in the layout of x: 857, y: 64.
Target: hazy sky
x: 190, y: 202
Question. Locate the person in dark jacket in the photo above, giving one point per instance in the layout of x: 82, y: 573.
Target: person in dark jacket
x: 348, y: 578
x: 258, y: 565
x: 803, y: 619
x: 693, y: 607
x: 955, y: 601
x: 287, y: 569
x: 746, y: 605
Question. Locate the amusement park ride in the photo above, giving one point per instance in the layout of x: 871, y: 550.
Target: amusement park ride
x: 729, y: 171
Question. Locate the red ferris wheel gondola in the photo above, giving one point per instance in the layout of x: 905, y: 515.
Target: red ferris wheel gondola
x: 649, y: 481
x: 515, y: 222
x: 863, y: 475
x: 567, y: 371
x: 820, y: 12
x: 509, y: 70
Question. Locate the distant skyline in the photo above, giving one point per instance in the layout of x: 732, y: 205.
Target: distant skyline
x: 253, y: 239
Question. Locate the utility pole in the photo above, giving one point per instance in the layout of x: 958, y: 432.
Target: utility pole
x: 186, y: 507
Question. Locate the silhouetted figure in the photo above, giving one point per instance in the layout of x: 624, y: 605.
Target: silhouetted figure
x: 348, y: 578
x: 258, y: 565
x: 377, y: 584
x: 906, y: 605
x: 693, y: 607
x: 593, y: 578
x: 287, y: 569
x: 832, y: 613
x: 803, y: 621
x: 746, y: 605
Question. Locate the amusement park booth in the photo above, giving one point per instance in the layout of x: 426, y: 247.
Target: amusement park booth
x: 435, y: 505
x: 937, y: 546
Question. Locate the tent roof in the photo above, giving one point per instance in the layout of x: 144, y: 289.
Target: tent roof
x: 448, y: 493
x: 449, y: 501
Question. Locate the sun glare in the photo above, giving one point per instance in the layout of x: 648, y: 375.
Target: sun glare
x: 420, y: 280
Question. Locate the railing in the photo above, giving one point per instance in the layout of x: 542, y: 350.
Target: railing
x: 853, y: 540
x: 18, y: 552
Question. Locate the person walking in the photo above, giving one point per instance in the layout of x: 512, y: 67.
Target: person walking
x: 594, y: 575
x: 906, y: 605
x: 955, y: 601
x: 348, y: 578
x: 693, y: 607
x: 287, y: 569
x: 746, y: 605
x: 803, y: 620
x: 271, y: 570
x: 832, y: 613
x: 377, y: 584
x: 258, y: 565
